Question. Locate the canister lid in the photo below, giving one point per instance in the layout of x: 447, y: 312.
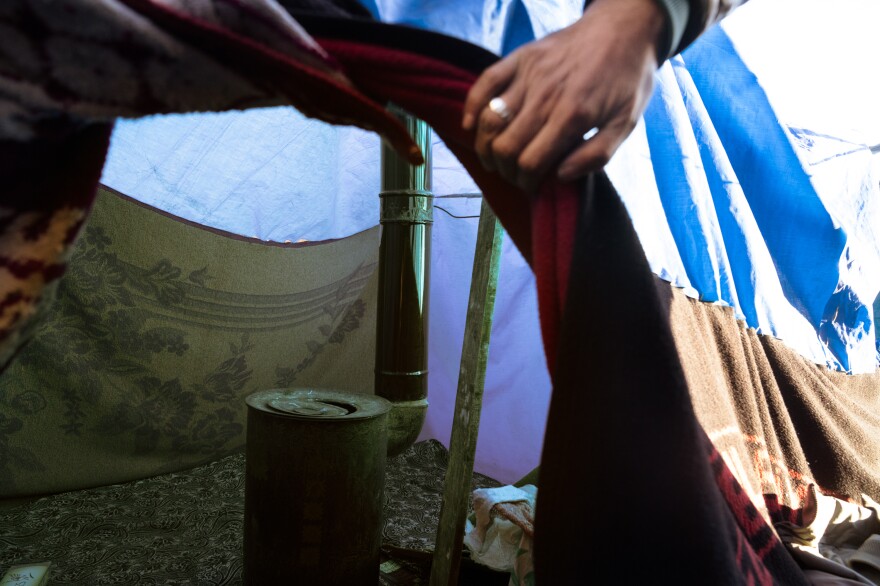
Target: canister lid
x: 317, y: 404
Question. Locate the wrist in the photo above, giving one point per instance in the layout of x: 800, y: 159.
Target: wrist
x: 646, y: 21
x: 677, y: 14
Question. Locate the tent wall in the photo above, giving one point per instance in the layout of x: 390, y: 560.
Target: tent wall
x: 159, y: 330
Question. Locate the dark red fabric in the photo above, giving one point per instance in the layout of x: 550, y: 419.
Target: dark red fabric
x: 47, y: 184
x: 315, y: 92
x: 73, y: 151
x: 698, y: 526
x: 542, y: 228
x: 632, y: 491
x: 642, y: 436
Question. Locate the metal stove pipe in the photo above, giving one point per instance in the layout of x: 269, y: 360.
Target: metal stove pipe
x: 404, y: 280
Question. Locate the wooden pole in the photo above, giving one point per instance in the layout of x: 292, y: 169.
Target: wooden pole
x: 468, y: 401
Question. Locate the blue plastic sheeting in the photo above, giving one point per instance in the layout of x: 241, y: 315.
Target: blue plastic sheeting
x: 749, y: 182
x: 779, y: 222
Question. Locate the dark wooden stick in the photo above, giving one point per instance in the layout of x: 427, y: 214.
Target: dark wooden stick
x: 468, y: 401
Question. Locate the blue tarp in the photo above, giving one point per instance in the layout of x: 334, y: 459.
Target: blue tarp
x: 750, y: 183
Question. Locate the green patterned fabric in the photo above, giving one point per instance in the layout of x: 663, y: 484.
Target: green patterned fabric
x: 159, y: 330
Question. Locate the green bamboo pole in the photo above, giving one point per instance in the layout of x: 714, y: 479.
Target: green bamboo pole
x: 468, y: 401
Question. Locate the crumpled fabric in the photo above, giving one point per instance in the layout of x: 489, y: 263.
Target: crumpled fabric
x: 501, y: 536
x: 99, y: 60
x: 836, y: 537
x: 68, y: 68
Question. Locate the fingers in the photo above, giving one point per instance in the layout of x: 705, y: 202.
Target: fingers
x: 596, y: 152
x: 490, y: 84
x: 507, y: 147
x: 525, y: 150
x: 550, y: 143
x: 491, y: 126
x: 556, y: 93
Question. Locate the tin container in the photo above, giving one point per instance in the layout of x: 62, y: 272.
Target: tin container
x: 313, y: 490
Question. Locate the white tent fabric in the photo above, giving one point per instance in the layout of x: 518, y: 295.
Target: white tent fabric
x: 704, y: 206
x: 243, y: 173
x: 765, y: 213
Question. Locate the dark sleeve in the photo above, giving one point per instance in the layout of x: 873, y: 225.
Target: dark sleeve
x: 338, y: 8
x: 678, y: 13
x: 690, y: 18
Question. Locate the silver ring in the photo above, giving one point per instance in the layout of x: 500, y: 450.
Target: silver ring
x: 499, y: 106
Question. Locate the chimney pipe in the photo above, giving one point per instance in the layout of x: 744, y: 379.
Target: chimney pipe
x: 404, y: 282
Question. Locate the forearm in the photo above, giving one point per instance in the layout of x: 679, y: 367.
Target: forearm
x: 688, y: 19
x: 568, y: 100
x: 702, y: 14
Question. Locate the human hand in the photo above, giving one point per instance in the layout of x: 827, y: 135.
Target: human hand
x: 596, y: 74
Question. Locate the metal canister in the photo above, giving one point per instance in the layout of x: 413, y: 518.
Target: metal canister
x: 313, y: 490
